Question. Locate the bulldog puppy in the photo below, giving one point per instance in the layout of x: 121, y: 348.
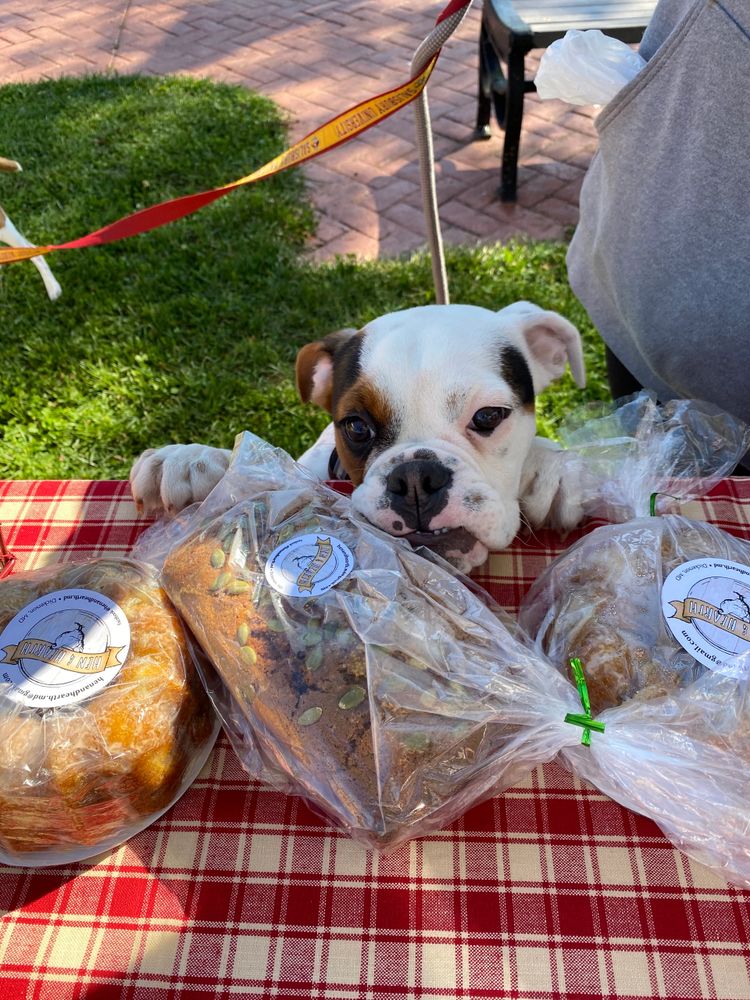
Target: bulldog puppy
x: 433, y: 421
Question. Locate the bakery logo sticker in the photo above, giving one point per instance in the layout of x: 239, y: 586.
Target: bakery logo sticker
x: 706, y: 604
x: 62, y: 648
x: 308, y: 565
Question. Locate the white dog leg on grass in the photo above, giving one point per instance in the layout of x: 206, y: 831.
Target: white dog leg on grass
x: 11, y: 236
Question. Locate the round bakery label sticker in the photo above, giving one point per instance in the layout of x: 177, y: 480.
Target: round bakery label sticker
x: 63, y: 648
x: 706, y: 603
x: 308, y: 565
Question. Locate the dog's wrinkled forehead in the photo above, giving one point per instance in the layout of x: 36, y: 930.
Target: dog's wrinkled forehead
x: 440, y: 352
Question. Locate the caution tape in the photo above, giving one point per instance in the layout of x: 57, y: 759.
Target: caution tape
x: 338, y: 130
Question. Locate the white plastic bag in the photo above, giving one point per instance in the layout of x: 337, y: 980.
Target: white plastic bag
x: 586, y: 67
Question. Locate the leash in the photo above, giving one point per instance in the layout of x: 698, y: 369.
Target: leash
x: 332, y: 133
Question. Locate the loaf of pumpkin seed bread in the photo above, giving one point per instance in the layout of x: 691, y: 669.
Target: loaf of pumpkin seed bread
x: 349, y: 668
x: 295, y: 671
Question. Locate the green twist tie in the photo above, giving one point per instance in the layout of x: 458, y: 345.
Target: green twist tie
x: 652, y: 501
x: 585, y: 720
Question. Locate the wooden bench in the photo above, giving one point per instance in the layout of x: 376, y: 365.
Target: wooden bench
x: 510, y: 29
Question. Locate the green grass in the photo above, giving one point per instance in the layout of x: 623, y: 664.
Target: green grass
x: 190, y: 332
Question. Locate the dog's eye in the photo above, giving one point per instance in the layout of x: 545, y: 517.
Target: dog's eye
x: 488, y: 418
x: 357, y: 430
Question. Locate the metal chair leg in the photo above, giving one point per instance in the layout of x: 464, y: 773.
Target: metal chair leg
x: 513, y: 120
x: 488, y: 68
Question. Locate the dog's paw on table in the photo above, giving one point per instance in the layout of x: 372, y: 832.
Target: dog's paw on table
x: 168, y: 479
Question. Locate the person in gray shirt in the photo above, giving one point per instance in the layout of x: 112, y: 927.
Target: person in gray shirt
x: 661, y: 256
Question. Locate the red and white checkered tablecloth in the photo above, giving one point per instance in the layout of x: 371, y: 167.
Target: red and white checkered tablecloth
x: 548, y: 892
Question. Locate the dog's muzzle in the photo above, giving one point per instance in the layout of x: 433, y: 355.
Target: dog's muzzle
x: 434, y: 495
x: 418, y: 490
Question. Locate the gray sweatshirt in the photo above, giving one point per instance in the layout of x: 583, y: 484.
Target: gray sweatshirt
x: 661, y: 256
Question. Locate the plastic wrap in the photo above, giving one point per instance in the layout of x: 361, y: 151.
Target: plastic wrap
x: 586, y: 67
x: 658, y: 611
x: 379, y: 686
x: 627, y: 453
x: 103, y: 720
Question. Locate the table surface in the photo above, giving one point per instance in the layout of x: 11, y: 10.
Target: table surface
x: 548, y: 891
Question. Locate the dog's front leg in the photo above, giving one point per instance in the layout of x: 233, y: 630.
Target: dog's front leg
x: 175, y: 476
x: 11, y: 236
x: 317, y: 458
x: 550, y: 495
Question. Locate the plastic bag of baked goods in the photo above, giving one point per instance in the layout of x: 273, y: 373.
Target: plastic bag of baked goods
x: 103, y: 720
x: 657, y: 610
x: 350, y: 669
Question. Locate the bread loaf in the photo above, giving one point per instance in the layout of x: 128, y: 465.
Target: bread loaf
x: 601, y: 601
x: 103, y: 720
x: 372, y: 697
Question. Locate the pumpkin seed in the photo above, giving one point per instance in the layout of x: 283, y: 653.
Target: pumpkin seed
x: 243, y: 633
x: 218, y: 558
x: 416, y: 741
x: 221, y: 581
x: 343, y: 635
x: 395, y: 685
x: 275, y: 625
x: 314, y: 658
x: 238, y: 587
x: 262, y: 596
x: 249, y: 655
x: 311, y: 636
x: 310, y: 717
x: 353, y: 697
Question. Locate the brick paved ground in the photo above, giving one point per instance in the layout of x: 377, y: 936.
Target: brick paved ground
x: 315, y: 58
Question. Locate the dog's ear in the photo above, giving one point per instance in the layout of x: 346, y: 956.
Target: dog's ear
x: 314, y: 368
x: 552, y: 342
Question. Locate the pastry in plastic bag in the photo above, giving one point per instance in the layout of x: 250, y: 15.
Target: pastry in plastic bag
x: 350, y: 669
x: 657, y: 609
x: 103, y: 720
x: 602, y: 603
x: 601, y: 600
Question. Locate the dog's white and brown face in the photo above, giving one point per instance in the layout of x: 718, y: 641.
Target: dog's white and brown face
x: 433, y: 420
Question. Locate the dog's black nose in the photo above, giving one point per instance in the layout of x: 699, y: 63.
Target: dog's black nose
x: 418, y: 491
